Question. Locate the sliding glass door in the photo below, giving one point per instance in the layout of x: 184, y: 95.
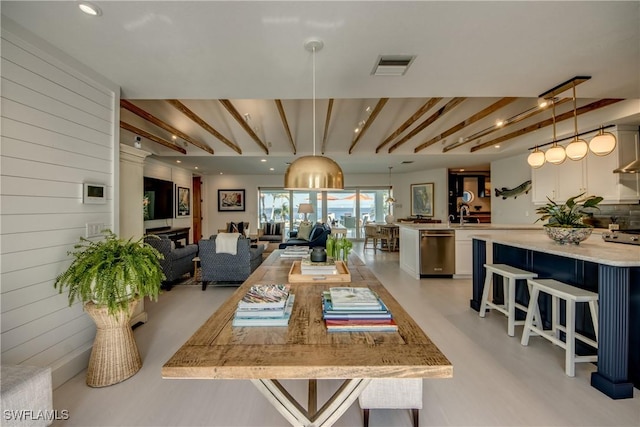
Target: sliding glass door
x: 350, y: 209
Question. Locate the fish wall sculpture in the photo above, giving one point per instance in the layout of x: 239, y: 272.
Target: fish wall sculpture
x: 514, y: 192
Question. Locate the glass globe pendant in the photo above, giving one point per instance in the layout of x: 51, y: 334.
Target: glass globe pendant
x: 603, y: 143
x: 536, y: 159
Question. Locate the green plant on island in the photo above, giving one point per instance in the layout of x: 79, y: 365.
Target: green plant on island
x: 111, y: 271
x: 569, y: 214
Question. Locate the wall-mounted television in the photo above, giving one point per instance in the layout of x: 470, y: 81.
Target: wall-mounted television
x: 158, y: 199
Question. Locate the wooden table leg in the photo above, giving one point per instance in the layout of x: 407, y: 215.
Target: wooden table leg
x: 295, y: 414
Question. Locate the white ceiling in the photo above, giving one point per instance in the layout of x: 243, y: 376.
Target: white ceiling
x: 252, y: 53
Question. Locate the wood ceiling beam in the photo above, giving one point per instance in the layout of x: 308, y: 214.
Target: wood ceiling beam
x: 379, y: 106
x: 435, y: 116
x: 419, y: 113
x: 152, y: 137
x: 470, y: 120
x: 156, y: 121
x: 242, y: 122
x: 565, y: 116
x: 326, y: 125
x: 509, y: 122
x: 203, y: 124
x: 285, y: 123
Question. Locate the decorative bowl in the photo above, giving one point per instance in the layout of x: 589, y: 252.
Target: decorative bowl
x: 564, y: 235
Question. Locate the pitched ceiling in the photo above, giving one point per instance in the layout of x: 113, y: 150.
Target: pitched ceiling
x: 234, y: 77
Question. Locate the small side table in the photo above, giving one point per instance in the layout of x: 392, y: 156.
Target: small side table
x: 197, y: 273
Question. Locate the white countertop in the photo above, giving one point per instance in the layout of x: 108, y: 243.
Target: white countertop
x: 479, y: 227
x: 594, y: 249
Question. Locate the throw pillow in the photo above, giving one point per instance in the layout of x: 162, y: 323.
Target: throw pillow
x: 236, y: 227
x: 304, y: 230
x: 316, y: 232
x: 271, y: 229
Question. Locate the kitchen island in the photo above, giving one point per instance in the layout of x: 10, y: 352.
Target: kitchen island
x: 610, y: 269
x: 410, y: 243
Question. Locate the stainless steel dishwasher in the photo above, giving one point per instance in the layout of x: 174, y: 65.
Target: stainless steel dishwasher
x: 437, y: 252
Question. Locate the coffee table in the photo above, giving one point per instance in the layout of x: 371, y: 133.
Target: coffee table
x: 305, y: 350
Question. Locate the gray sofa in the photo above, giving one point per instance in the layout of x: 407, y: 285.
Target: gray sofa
x: 177, y: 261
x: 224, y: 267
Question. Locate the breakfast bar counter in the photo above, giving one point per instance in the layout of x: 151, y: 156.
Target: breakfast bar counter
x: 610, y: 269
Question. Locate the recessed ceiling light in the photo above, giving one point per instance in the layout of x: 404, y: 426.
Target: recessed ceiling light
x: 196, y: 168
x: 461, y: 170
x: 263, y: 160
x: 499, y: 123
x: 174, y: 137
x: 496, y: 146
x: 90, y: 8
x: 178, y: 161
x: 271, y: 169
x: 220, y: 173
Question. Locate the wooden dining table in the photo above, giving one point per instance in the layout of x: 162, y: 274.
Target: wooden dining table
x: 305, y: 350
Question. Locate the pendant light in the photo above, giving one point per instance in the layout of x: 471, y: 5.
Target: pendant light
x: 314, y: 172
x: 603, y: 143
x: 390, y: 201
x: 578, y: 148
x: 536, y: 158
x: 555, y: 155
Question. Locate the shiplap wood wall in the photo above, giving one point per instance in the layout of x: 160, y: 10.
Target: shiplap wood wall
x: 58, y: 130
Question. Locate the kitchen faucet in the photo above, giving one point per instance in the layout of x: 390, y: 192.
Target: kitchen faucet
x: 451, y: 218
x: 463, y: 209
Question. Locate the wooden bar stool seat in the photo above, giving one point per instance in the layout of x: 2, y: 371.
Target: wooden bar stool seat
x: 571, y: 295
x: 508, y: 308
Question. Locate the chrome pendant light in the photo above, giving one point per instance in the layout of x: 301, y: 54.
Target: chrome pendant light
x: 556, y: 154
x: 314, y: 172
x: 578, y: 148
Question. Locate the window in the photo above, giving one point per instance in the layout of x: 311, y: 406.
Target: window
x: 350, y: 209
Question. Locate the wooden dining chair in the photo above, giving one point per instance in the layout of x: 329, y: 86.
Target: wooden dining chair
x: 371, y: 233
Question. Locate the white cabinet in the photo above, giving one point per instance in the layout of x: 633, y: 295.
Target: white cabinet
x: 558, y: 182
x: 592, y: 175
x: 601, y: 180
x: 464, y: 252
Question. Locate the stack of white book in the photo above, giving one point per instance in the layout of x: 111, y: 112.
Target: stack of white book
x: 349, y: 309
x: 265, y: 305
x: 318, y: 268
x: 295, y: 252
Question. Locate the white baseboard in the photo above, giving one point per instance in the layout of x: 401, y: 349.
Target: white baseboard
x: 70, y: 365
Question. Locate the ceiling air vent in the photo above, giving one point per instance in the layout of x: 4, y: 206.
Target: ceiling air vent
x: 392, y: 65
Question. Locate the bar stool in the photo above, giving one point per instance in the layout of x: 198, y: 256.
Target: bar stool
x: 508, y: 308
x: 571, y: 295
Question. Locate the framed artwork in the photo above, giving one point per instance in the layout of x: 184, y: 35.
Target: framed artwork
x: 231, y: 201
x: 422, y: 199
x: 184, y: 202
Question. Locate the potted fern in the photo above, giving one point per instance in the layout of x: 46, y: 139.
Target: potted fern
x: 109, y: 276
x: 566, y: 220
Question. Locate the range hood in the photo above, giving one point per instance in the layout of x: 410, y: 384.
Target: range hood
x: 633, y: 167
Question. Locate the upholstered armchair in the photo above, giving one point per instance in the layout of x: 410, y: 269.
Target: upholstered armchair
x: 177, y: 261
x: 271, y: 232
x: 225, y: 267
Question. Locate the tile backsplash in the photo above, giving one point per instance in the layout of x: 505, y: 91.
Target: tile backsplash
x: 628, y: 216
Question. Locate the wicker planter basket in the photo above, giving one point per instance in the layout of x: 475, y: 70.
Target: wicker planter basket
x: 114, y: 356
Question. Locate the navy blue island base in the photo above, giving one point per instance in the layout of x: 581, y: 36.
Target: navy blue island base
x: 618, y: 288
